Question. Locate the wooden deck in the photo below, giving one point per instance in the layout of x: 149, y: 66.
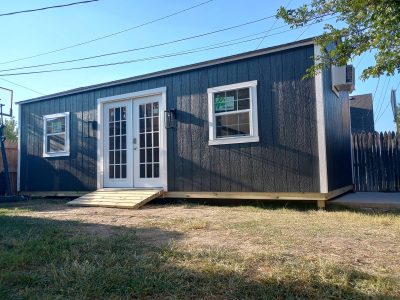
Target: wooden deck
x: 135, y: 198
x: 119, y: 198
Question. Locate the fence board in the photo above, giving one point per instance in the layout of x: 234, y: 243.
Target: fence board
x: 376, y: 162
x: 12, y: 159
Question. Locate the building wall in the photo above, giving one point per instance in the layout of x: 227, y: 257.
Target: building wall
x: 338, y: 139
x: 362, y: 113
x: 285, y: 159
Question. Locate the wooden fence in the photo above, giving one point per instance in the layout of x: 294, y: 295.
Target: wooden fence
x: 12, y: 158
x: 376, y: 162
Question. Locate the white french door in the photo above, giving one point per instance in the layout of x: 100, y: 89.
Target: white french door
x: 134, y: 139
x: 147, y: 147
x: 118, y: 146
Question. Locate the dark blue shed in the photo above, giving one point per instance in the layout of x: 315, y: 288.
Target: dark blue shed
x: 244, y: 123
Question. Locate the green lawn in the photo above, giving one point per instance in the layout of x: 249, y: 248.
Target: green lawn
x: 48, y: 250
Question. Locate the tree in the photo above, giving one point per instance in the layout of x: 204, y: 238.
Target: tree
x: 363, y: 26
x: 10, y: 130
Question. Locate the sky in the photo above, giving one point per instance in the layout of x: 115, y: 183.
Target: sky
x: 30, y: 34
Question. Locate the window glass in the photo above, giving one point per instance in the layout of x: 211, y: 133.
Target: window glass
x: 229, y: 123
x: 233, y: 125
x: 55, y: 143
x: 56, y: 125
x: 117, y: 142
x: 55, y: 131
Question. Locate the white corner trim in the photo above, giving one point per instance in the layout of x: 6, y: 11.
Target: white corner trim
x: 253, y: 137
x: 144, y: 93
x: 19, y: 151
x: 66, y: 152
x: 321, y: 134
x: 100, y: 168
x: 163, y: 137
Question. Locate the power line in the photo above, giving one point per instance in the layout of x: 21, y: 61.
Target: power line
x: 378, y: 104
x: 383, y: 95
x: 144, y: 47
x: 373, y: 97
x: 361, y: 59
x: 185, y: 52
x: 272, y: 26
x: 45, y: 8
x: 304, y: 31
x: 111, y: 34
x: 22, y: 86
x: 383, y: 112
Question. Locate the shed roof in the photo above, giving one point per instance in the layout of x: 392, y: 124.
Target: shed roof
x: 361, y: 101
x: 249, y: 54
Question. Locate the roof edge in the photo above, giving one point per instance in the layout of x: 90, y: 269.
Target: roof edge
x: 226, y: 59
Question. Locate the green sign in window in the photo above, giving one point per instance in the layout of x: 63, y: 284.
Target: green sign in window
x: 224, y: 103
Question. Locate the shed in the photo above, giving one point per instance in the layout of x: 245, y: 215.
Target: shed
x: 362, y: 113
x: 242, y: 126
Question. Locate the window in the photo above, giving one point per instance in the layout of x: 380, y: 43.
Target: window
x: 56, y: 135
x: 233, y: 113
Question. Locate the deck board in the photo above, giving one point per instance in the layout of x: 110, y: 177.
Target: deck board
x: 124, y: 198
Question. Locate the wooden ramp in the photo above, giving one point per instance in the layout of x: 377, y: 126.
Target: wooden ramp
x: 120, y: 198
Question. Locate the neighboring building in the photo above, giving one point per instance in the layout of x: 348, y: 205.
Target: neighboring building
x: 362, y: 113
x: 243, y: 123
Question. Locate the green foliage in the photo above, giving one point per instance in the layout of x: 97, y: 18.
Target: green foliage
x: 10, y: 130
x: 363, y: 26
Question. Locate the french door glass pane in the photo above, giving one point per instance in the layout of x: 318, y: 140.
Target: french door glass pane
x: 149, y: 124
x: 117, y: 143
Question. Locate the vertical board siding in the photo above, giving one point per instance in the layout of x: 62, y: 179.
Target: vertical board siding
x: 338, y: 136
x: 203, y: 124
x: 285, y: 159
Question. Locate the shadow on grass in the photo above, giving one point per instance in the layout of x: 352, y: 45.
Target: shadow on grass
x: 39, y: 204
x: 300, y: 206
x: 60, y: 204
x: 43, y: 258
x: 263, y: 204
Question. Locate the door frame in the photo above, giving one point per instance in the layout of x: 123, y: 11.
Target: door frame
x: 162, y: 91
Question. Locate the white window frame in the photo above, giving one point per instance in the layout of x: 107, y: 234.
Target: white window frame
x: 66, y: 151
x: 253, y: 118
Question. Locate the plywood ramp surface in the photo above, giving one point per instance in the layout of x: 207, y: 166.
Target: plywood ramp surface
x: 119, y: 198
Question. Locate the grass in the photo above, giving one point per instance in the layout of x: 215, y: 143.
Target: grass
x: 192, y: 251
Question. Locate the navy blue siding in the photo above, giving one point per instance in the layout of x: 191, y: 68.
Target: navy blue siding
x: 338, y: 139
x: 285, y: 159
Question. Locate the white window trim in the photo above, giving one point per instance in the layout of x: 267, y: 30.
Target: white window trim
x: 253, y: 137
x: 66, y: 152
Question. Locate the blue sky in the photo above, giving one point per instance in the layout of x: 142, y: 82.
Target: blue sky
x: 33, y: 33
